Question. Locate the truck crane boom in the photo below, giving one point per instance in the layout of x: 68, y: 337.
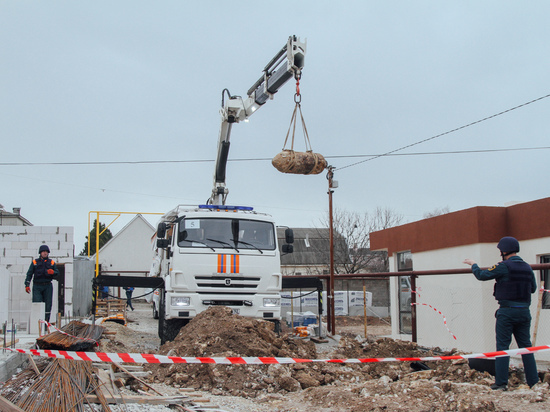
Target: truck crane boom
x: 287, y: 63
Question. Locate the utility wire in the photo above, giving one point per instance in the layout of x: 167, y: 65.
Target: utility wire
x: 269, y: 159
x: 448, y: 132
x: 371, y: 157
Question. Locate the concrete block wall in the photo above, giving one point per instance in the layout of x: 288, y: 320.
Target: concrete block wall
x: 18, y: 246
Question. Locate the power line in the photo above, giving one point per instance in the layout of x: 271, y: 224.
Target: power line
x: 448, y: 132
x: 373, y: 156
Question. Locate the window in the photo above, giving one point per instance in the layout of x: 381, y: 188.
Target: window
x: 545, y: 279
x: 226, y: 234
x: 404, y: 263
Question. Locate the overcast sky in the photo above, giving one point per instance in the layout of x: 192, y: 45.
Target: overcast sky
x: 120, y: 81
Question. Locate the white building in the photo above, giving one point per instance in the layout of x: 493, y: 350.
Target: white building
x: 18, y: 247
x: 129, y: 252
x: 467, y: 305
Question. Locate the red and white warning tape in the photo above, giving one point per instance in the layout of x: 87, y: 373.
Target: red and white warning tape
x: 152, y: 358
x: 544, y: 290
x: 444, y: 318
x: 49, y: 325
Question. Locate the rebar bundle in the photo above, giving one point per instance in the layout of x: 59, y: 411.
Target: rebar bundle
x: 61, y: 386
x: 78, y: 336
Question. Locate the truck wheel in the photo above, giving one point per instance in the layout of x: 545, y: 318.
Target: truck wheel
x: 172, y: 328
x: 155, y: 311
x: 276, y: 326
x: 168, y: 328
x: 162, y: 320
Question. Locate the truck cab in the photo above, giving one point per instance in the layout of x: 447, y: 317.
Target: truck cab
x: 218, y: 255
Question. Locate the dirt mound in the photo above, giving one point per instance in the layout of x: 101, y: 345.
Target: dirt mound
x: 218, y: 332
x: 324, y: 387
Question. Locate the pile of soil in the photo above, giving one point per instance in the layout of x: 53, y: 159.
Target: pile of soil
x: 219, y: 333
x: 443, y: 386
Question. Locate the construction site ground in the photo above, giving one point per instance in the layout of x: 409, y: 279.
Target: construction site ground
x: 319, y: 386
x: 387, y: 386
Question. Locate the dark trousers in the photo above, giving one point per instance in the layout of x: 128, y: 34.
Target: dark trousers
x: 43, y: 292
x: 514, y: 322
x: 129, y: 299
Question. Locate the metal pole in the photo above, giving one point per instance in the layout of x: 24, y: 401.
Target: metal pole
x: 330, y: 293
x: 413, y: 309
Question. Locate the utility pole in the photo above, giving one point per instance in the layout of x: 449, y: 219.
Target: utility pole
x: 331, y: 321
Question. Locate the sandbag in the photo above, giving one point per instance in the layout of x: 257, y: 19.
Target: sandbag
x: 300, y: 163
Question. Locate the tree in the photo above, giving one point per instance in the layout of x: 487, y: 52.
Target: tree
x: 353, y: 254
x: 104, y: 236
x: 436, y: 212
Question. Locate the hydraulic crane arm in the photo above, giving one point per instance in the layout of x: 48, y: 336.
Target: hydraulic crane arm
x: 287, y: 63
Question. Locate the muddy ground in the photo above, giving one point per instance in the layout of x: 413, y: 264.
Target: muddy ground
x: 388, y: 386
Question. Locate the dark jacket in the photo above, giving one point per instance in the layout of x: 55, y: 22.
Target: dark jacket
x: 39, y: 269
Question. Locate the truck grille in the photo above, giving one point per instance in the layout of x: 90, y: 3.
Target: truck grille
x: 229, y: 282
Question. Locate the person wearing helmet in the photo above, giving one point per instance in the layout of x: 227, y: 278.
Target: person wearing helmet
x: 44, y: 270
x: 515, y: 282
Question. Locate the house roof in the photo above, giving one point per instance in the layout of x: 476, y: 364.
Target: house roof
x: 311, y: 246
x: 137, y: 217
x: 481, y: 224
x: 15, y: 215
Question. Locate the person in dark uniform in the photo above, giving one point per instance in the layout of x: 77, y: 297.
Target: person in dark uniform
x: 129, y: 291
x: 515, y: 282
x: 44, y: 271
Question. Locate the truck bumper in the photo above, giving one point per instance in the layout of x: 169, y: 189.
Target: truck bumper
x: 245, y: 305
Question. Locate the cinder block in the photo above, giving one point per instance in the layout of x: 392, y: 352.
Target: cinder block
x: 29, y: 253
x: 68, y: 294
x: 38, y: 310
x: 15, y: 229
x: 23, y: 261
x: 10, y: 253
x: 18, y: 245
x: 18, y: 269
x: 65, y: 247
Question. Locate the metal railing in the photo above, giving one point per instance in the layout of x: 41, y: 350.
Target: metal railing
x: 414, y: 274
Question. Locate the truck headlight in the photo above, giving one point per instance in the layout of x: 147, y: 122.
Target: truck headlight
x: 270, y: 302
x: 180, y: 301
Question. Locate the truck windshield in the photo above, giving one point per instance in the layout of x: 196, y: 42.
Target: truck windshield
x: 226, y: 234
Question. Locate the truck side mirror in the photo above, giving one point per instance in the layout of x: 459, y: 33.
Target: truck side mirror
x: 287, y: 249
x: 289, y: 236
x: 163, y: 243
x: 161, y: 230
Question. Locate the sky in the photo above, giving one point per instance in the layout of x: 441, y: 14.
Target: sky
x: 133, y: 81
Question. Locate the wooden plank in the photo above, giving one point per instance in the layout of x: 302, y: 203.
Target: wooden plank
x: 106, y: 385
x: 7, y: 406
x: 125, y: 375
x: 9, y: 343
x: 152, y: 400
x: 33, y: 365
x: 118, y: 365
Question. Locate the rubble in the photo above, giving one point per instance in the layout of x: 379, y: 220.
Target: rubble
x: 383, y: 386
x: 442, y: 386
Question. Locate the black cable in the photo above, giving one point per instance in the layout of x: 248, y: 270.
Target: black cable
x: 301, y: 296
x: 268, y: 158
x: 448, y: 132
x: 116, y: 297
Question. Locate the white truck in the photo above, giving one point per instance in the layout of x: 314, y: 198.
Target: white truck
x: 215, y: 254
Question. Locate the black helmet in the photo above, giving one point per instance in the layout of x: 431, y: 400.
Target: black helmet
x: 43, y: 248
x: 508, y: 245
